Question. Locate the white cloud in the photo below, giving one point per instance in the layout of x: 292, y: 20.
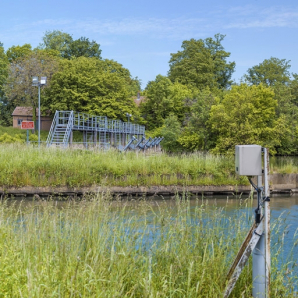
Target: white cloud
x: 201, y: 25
x: 267, y: 18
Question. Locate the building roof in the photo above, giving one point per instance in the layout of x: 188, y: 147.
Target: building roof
x: 25, y: 111
x: 139, y: 99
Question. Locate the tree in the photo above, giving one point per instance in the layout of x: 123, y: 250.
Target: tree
x: 15, y: 52
x: 163, y: 98
x: 58, y: 41
x: 246, y: 115
x: 202, y: 63
x: 171, y: 132
x: 3, y: 68
x: 19, y: 89
x: 69, y: 48
x: 197, y: 133
x: 93, y: 86
x: 82, y: 47
x: 269, y: 72
x: 288, y: 109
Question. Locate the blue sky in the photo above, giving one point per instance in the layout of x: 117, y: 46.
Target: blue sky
x: 141, y: 34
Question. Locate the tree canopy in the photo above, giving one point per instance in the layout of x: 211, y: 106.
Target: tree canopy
x: 202, y: 63
x: 269, y: 72
x: 68, y: 48
x: 163, y: 98
x: 90, y: 85
x: 3, y: 68
x: 15, y: 52
x: 246, y: 115
x: 18, y: 87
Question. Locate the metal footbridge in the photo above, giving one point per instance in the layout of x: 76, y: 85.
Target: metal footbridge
x: 98, y: 131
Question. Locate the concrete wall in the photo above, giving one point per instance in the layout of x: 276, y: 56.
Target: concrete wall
x: 279, y: 183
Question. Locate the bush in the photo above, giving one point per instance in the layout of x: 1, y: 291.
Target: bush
x: 6, y: 138
x: 33, y: 138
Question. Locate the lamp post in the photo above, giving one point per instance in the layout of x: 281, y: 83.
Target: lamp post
x: 128, y: 116
x: 36, y: 82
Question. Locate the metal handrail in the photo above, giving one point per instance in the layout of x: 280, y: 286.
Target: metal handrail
x: 68, y: 129
x: 53, y: 125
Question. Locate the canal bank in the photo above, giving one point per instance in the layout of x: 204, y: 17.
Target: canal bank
x: 279, y: 183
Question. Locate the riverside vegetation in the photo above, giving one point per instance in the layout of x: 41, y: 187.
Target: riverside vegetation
x: 23, y: 165
x: 101, y: 248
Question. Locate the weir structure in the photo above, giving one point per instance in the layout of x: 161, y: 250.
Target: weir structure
x: 98, y: 131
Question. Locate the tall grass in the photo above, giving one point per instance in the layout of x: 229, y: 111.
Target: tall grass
x: 25, y: 165
x: 99, y: 248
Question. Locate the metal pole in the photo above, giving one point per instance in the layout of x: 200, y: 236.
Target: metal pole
x: 267, y: 220
x: 38, y: 114
x: 258, y: 257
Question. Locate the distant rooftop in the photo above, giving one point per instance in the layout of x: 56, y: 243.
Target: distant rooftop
x: 25, y: 111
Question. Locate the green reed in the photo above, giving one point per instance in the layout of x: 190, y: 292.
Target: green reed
x: 23, y: 165
x: 102, y: 248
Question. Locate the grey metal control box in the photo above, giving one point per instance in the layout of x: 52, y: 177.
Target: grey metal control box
x: 248, y: 160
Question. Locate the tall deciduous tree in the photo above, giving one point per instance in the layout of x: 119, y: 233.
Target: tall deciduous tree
x: 197, y: 133
x: 5, y: 115
x: 15, y: 52
x: 270, y: 72
x: 82, y: 47
x: 90, y: 85
x: 3, y: 68
x: 19, y: 89
x: 246, y: 115
x: 58, y: 41
x: 69, y: 48
x: 163, y: 98
x: 202, y: 63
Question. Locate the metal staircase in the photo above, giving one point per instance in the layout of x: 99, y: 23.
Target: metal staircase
x: 98, y: 131
x: 61, y: 129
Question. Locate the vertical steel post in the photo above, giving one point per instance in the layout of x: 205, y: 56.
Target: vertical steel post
x: 258, y: 257
x: 267, y: 220
x: 38, y: 114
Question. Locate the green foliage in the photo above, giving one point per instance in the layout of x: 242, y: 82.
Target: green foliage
x: 58, y: 41
x: 202, y: 63
x: 18, y: 88
x: 163, y: 98
x: 6, y: 138
x: 68, y: 48
x: 269, y: 72
x: 15, y: 52
x: 3, y: 70
x: 98, y: 87
x: 171, y: 132
x: 197, y: 134
x: 246, y: 115
x: 24, y: 165
x: 6, y: 109
x: 33, y: 138
x: 288, y: 110
x: 82, y: 47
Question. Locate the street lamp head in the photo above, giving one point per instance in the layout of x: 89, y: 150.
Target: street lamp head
x: 34, y: 81
x: 43, y: 80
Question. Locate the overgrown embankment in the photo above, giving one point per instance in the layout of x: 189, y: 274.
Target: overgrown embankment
x: 78, y: 170
x: 23, y: 165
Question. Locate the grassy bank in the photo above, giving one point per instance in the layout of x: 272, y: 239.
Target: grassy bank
x: 98, y: 248
x: 23, y: 165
